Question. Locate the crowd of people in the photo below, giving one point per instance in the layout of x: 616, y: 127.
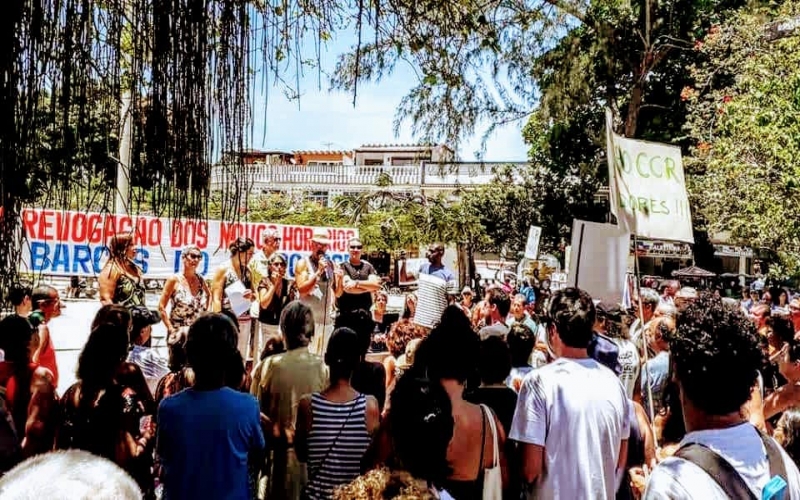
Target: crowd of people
x: 520, y: 393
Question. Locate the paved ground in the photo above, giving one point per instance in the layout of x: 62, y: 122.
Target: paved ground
x: 71, y: 329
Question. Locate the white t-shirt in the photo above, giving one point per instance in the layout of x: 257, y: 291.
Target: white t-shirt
x: 679, y: 479
x: 577, y: 410
x: 629, y: 363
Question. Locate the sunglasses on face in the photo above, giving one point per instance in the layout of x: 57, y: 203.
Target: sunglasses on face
x: 356, y: 247
x: 195, y: 256
x: 279, y: 264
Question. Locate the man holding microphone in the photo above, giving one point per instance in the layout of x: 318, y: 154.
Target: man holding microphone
x: 319, y: 282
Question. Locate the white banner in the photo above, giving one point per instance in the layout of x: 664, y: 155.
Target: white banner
x: 532, y: 246
x: 648, y: 188
x: 599, y: 260
x: 69, y: 243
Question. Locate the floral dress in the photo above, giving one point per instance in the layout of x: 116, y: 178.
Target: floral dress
x: 185, y: 306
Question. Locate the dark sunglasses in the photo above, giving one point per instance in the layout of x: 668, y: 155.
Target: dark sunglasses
x: 356, y: 247
x: 194, y: 256
x: 279, y: 264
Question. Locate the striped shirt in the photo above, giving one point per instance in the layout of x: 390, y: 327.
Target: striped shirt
x: 336, y: 444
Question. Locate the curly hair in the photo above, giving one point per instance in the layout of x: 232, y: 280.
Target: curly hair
x: 716, y: 356
x: 400, y: 334
x: 787, y: 433
x: 383, y: 484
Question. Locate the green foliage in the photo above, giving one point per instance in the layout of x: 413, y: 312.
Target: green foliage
x: 744, y: 124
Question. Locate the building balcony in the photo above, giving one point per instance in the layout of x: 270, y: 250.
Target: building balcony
x: 417, y: 177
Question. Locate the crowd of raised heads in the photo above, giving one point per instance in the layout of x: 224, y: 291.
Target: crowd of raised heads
x: 515, y: 392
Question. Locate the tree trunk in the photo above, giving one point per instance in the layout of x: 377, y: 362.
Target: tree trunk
x: 634, y: 105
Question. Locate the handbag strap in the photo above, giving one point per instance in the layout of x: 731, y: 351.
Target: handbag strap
x: 719, y: 469
x: 493, y: 427
x: 776, y: 465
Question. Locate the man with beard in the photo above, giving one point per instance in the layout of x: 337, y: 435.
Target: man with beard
x: 319, y: 283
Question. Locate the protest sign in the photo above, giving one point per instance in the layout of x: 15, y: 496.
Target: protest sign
x: 532, y: 246
x: 68, y: 243
x: 599, y: 260
x: 648, y: 188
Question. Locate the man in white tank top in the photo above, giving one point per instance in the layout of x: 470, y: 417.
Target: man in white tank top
x: 319, y: 282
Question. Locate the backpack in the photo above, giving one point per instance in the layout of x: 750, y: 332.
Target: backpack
x: 723, y: 473
x: 10, y: 444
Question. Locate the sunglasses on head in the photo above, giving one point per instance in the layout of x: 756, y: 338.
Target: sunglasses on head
x: 356, y: 247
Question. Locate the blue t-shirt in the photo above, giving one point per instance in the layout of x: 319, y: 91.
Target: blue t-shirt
x: 438, y: 271
x: 655, y: 373
x: 204, y: 439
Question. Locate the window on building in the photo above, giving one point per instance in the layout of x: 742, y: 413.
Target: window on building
x: 401, y: 161
x: 373, y: 162
x: 320, y: 197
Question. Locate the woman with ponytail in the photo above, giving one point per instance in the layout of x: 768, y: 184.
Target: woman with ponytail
x: 334, y: 426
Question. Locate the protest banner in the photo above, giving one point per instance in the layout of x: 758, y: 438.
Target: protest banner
x: 599, y: 260
x: 648, y: 188
x: 67, y: 243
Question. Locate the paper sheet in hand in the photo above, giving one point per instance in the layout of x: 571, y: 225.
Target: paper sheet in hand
x: 431, y: 300
x: 235, y: 293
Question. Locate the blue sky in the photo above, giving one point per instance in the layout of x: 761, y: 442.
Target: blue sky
x: 328, y: 120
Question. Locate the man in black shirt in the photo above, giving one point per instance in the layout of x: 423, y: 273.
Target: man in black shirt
x: 360, y: 281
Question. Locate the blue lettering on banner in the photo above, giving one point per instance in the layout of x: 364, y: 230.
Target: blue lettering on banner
x: 75, y: 259
x: 293, y: 258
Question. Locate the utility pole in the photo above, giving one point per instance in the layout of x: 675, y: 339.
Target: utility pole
x: 122, y: 200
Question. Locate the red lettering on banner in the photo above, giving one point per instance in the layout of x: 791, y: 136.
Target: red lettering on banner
x: 202, y: 234
x: 189, y: 232
x: 228, y: 231
x: 124, y: 224
x: 94, y: 228
x: 45, y: 224
x: 29, y: 220
x: 308, y: 233
x: 78, y: 233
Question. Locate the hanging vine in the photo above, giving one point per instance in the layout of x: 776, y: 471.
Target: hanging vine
x: 190, y: 70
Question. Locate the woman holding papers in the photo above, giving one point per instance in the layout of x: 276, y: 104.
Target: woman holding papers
x: 231, y: 290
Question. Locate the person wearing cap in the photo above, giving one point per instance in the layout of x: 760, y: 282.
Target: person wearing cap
x: 153, y: 366
x: 359, y: 281
x: 319, y: 283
